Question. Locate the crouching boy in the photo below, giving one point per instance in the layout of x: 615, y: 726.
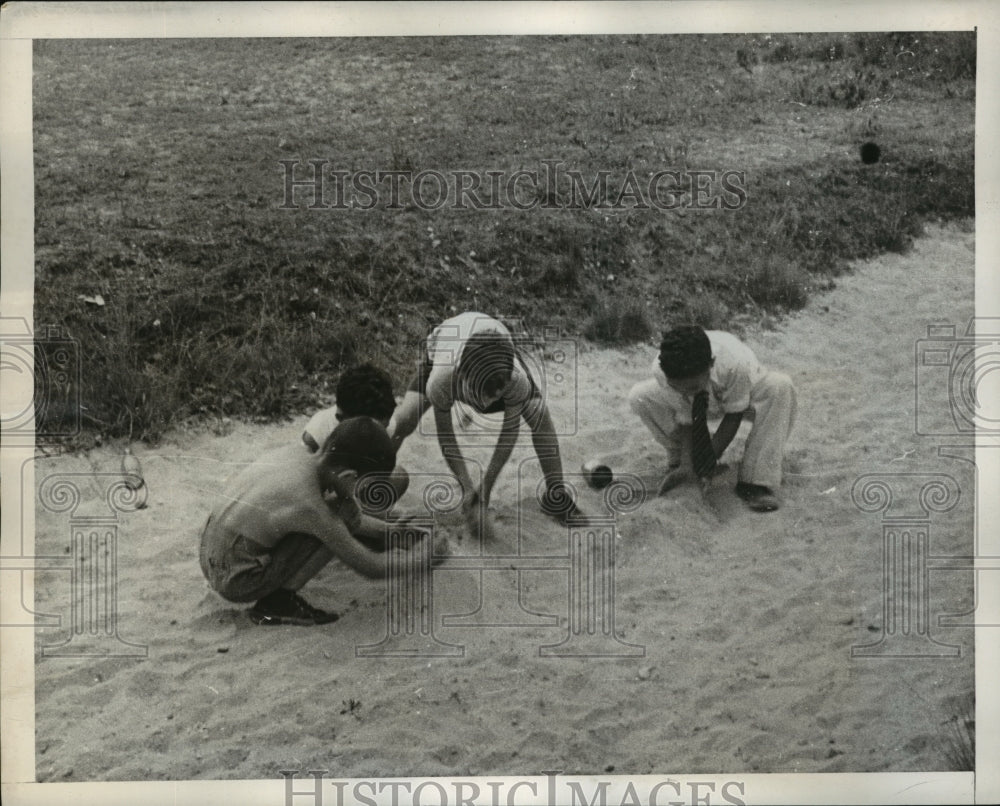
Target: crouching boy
x: 363, y: 390
x: 701, y: 374
x: 472, y: 359
x: 283, y: 518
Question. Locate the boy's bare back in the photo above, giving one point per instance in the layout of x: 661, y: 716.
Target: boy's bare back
x: 278, y: 494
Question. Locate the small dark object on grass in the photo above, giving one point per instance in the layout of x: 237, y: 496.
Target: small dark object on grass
x: 870, y: 153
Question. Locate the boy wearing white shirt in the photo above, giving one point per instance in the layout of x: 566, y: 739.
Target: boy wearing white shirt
x: 471, y: 359
x: 700, y: 374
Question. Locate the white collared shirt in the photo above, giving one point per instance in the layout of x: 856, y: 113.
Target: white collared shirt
x: 733, y: 375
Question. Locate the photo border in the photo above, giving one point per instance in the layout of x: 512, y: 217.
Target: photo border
x: 20, y: 23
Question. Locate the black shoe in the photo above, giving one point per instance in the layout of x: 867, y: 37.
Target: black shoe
x: 558, y: 503
x: 287, y: 607
x: 758, y: 497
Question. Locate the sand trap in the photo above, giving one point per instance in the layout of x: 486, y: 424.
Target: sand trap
x: 735, y: 629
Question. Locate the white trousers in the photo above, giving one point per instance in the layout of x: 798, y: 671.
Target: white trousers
x: 772, y: 409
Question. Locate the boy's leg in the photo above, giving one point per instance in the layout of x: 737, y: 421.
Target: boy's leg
x: 298, y: 558
x: 557, y: 500
x: 305, y: 560
x: 274, y: 579
x: 774, y: 402
x: 653, y: 405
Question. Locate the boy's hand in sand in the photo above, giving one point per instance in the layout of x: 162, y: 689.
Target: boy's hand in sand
x: 707, y: 482
x: 685, y: 473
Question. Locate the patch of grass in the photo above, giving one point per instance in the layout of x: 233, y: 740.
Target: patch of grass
x: 618, y: 322
x: 920, y: 56
x: 706, y: 310
x: 960, y: 737
x: 777, y: 284
x: 159, y: 187
x: 848, y: 88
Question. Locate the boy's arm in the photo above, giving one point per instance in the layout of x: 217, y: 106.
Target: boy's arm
x: 360, y: 524
x: 725, y: 432
x: 450, y: 450
x: 681, y: 470
x: 337, y: 538
x: 335, y: 535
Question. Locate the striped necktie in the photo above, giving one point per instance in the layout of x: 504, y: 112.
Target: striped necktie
x: 702, y: 453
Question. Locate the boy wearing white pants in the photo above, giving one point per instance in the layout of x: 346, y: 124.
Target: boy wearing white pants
x: 701, y: 374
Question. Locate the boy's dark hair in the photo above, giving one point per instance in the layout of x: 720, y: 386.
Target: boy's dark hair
x: 486, y: 354
x: 685, y: 351
x: 360, y: 444
x: 365, y: 391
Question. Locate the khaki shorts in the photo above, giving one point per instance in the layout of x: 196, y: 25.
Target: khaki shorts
x: 241, y: 570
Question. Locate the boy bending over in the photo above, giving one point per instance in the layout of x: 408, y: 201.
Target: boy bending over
x: 362, y: 391
x: 471, y: 358
x: 277, y: 525
x: 699, y: 374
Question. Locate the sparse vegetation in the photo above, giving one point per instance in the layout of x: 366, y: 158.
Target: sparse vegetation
x: 960, y: 737
x: 159, y: 187
x: 618, y: 321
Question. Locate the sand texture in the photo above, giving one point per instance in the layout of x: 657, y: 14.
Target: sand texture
x: 732, y: 634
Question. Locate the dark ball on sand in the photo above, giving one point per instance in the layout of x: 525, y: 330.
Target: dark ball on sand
x: 870, y: 153
x: 598, y: 475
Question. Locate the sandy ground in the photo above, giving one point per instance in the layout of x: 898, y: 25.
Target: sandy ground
x: 733, y: 629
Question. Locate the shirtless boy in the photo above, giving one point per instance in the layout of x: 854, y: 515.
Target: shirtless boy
x: 363, y: 390
x: 283, y: 518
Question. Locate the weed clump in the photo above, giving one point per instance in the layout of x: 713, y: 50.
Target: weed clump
x: 618, y: 322
x: 959, y: 737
